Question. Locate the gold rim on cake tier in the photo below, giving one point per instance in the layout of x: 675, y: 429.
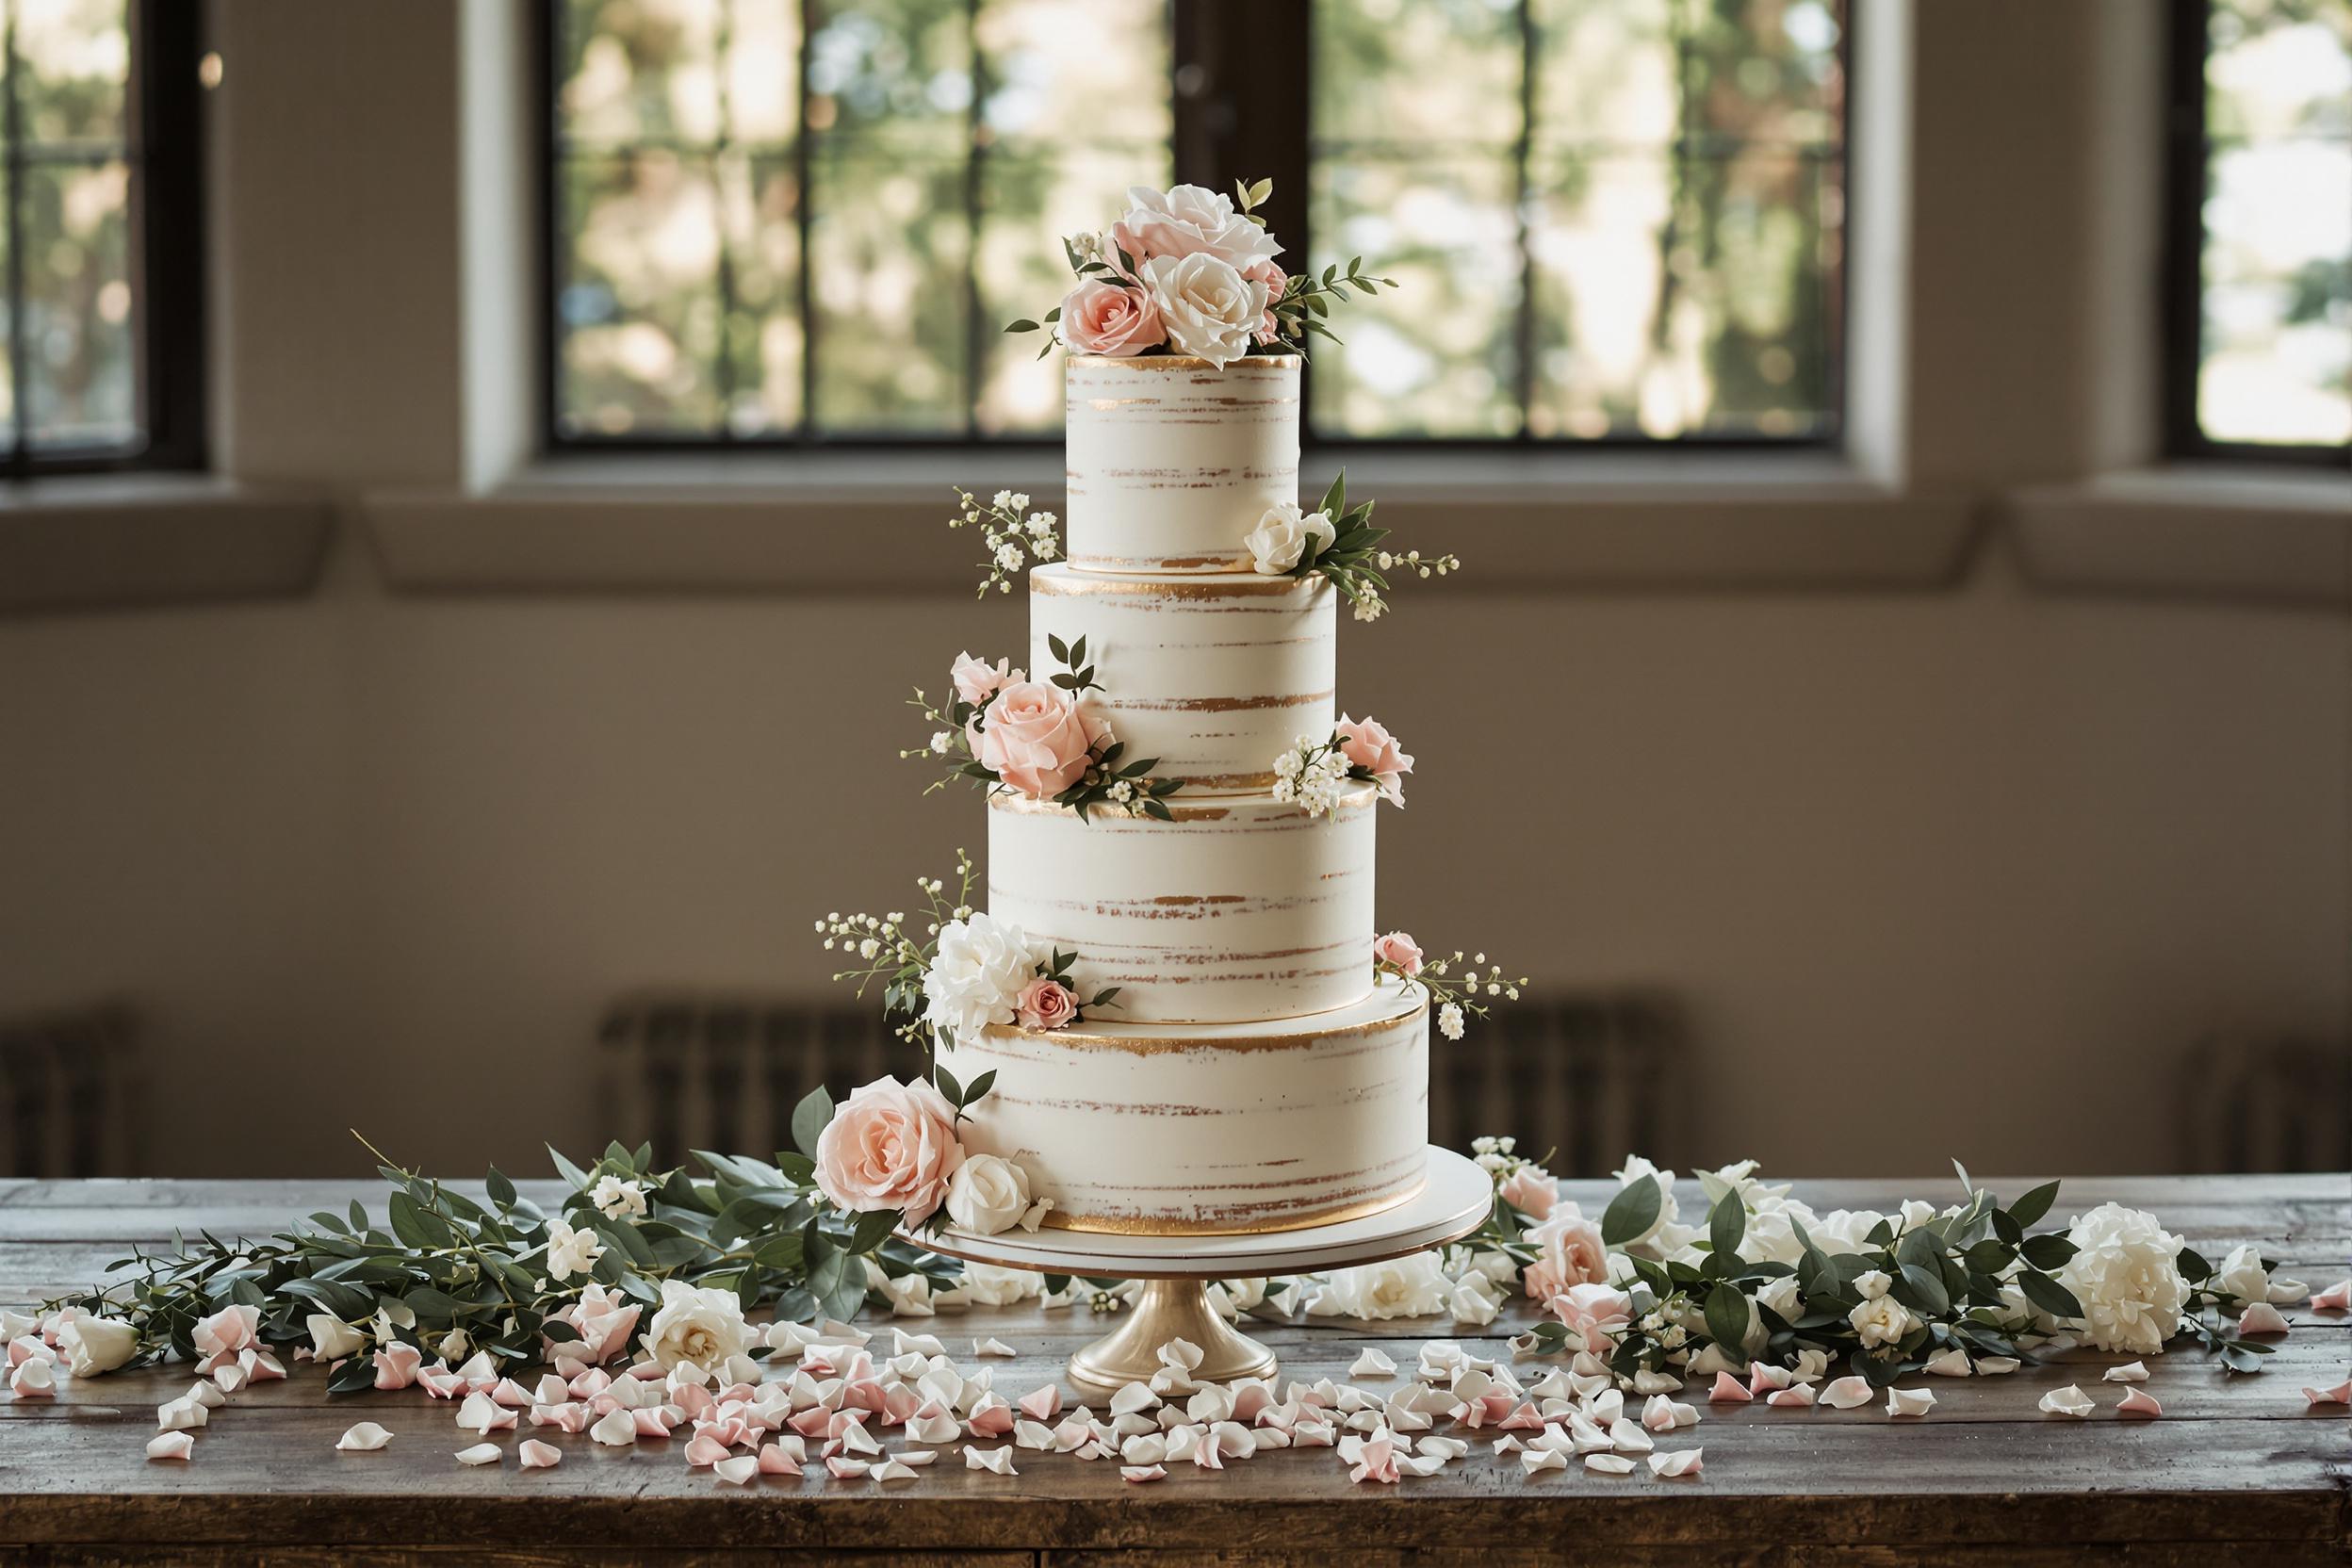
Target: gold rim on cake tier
x: 1336, y: 1215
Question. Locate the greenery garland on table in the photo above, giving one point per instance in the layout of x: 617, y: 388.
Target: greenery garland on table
x: 438, y: 1264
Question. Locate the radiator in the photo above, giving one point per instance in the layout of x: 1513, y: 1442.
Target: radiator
x: 1584, y: 1077
x: 69, y: 1092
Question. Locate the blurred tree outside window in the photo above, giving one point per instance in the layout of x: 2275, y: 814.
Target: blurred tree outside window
x: 96, y: 161
x: 2264, y: 227
x: 779, y: 221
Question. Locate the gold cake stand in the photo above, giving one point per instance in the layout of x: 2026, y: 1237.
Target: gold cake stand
x: 1176, y: 1272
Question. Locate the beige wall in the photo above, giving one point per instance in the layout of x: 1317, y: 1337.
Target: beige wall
x: 1961, y: 870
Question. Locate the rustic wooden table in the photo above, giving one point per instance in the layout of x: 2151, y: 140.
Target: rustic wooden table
x: 2235, y: 1470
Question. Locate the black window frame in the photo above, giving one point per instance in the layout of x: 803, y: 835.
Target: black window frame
x: 2188, y: 153
x: 1240, y: 89
x: 164, y: 141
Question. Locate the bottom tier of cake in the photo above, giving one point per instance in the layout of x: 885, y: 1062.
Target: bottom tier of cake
x: 1165, y: 1129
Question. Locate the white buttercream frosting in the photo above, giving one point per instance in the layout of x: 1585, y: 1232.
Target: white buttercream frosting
x: 1213, y: 676
x: 1170, y: 462
x: 1231, y: 1127
x: 1243, y: 908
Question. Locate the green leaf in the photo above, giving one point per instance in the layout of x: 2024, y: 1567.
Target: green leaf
x: 873, y: 1229
x: 1024, y: 324
x: 1631, y: 1213
x: 2049, y: 1294
x: 1335, y: 499
x: 1726, y: 1225
x: 2034, y: 1204
x: 1060, y: 649
x: 500, y: 1189
x: 947, y: 1084
x: 1727, y: 1321
x: 1926, y: 1289
x: 979, y: 1088
x: 809, y: 1117
x: 2192, y: 1267
x: 2046, y: 1251
x: 1962, y: 1172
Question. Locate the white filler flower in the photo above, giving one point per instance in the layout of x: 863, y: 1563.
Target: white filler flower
x: 2124, y: 1274
x: 976, y: 977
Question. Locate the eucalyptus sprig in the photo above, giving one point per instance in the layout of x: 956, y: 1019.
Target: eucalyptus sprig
x: 1354, y: 562
x: 1307, y: 299
x: 454, y: 1275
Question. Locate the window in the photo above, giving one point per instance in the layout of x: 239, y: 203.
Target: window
x: 794, y: 220
x: 102, y: 271
x: 2260, y: 277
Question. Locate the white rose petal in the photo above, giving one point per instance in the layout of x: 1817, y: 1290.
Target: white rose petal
x: 481, y: 1453
x: 1372, y: 1363
x: 170, y: 1446
x: 998, y: 1460
x: 1684, y: 1461
x: 2130, y: 1372
x: 2069, y: 1400
x: 1608, y: 1464
x: 364, y: 1438
x: 1910, y: 1401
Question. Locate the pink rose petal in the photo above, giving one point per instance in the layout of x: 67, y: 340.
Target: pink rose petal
x: 1045, y: 1403
x: 536, y: 1455
x: 397, y: 1364
x: 773, y: 1461
x: 1763, y: 1377
x: 1796, y: 1397
x: 2261, y: 1317
x: 1728, y: 1390
x: 705, y: 1450
x: 2336, y: 1297
x: 481, y: 1453
x: 651, y: 1421
x: 846, y: 1469
x: 1142, y: 1473
x: 737, y: 1471
x: 2139, y: 1402
x: 2340, y: 1395
x: 1847, y: 1394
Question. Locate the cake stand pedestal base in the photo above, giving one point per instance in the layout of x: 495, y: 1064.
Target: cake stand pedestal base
x: 1176, y: 1272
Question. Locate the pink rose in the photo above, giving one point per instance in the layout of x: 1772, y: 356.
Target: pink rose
x: 889, y: 1146
x: 1190, y: 221
x: 1593, y: 1311
x: 1265, y: 271
x: 1398, y: 948
x: 603, y: 1321
x: 976, y: 679
x: 1037, y: 739
x: 1101, y: 317
x: 1531, y: 1190
x: 1569, y: 1251
x: 1046, y: 1004
x: 1368, y: 745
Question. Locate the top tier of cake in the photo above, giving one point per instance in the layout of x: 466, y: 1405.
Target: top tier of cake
x: 1172, y: 461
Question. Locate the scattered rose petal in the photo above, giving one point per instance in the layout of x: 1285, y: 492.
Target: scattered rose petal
x: 1910, y: 1401
x: 2340, y: 1395
x: 1533, y: 1459
x: 481, y: 1453
x: 535, y: 1455
x: 1683, y: 1462
x: 845, y: 1469
x: 33, y: 1380
x: 1372, y: 1363
x: 2069, y: 1400
x: 1627, y: 1437
x: 366, y: 1438
x: 1662, y: 1414
x: 396, y: 1365
x: 1142, y: 1473
x: 1134, y: 1398
x: 1609, y: 1465
x: 552, y: 1390
x: 993, y: 1347
x: 171, y: 1444
x: 739, y: 1470
x: 893, y: 1470
x: 183, y: 1413
x: 1795, y: 1396
x: 1728, y: 1390
x: 1994, y: 1366
x: 616, y: 1429
x: 1763, y: 1377
x: 1848, y: 1394
x: 2139, y: 1402
x: 2336, y: 1297
x: 2261, y: 1317
x: 1041, y: 1404
x: 998, y: 1460
x: 2131, y: 1372
x: 1953, y: 1363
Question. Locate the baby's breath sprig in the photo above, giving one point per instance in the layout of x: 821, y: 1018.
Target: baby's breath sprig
x: 1470, y: 991
x: 890, y: 949
x: 1014, y: 535
x: 1313, y: 773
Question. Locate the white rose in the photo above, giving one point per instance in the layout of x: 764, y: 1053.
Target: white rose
x: 1474, y: 1300
x: 1916, y: 1214
x: 702, y: 1329
x: 985, y: 1284
x: 1285, y: 537
x: 1771, y: 1231
x: 571, y: 1251
x: 95, y: 1345
x: 977, y: 976
x: 1872, y: 1284
x: 615, y: 1198
x: 1842, y: 1230
x: 2241, y: 1275
x: 1664, y: 1237
x: 1409, y: 1286
x: 332, y: 1339
x: 2124, y: 1275
x: 1780, y: 1295
x: 1210, y: 310
x: 1881, y: 1320
x: 988, y: 1195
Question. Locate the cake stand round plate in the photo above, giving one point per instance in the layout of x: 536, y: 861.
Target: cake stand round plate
x: 1455, y: 1201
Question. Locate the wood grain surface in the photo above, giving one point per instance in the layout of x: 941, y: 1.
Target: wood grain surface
x: 2238, y: 1469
